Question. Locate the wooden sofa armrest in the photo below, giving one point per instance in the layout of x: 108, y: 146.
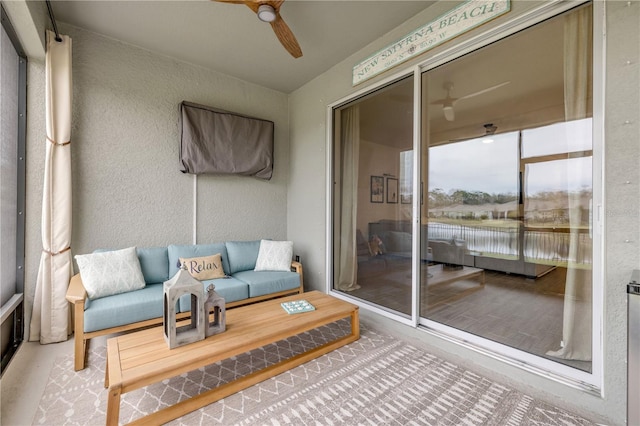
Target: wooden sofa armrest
x: 76, y: 292
x: 297, y: 267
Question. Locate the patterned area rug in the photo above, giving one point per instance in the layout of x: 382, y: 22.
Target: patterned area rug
x: 376, y: 380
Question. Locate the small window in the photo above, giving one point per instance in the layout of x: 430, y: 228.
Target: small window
x: 13, y: 116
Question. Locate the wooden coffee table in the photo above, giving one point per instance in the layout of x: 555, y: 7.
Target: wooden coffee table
x: 142, y: 358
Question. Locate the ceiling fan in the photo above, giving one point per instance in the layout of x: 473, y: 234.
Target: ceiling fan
x: 269, y: 11
x: 449, y: 102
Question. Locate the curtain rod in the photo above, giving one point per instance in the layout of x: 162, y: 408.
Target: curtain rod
x: 53, y: 21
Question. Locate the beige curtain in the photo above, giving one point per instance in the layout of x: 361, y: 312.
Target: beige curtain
x: 349, y: 152
x: 577, y: 315
x: 50, y: 318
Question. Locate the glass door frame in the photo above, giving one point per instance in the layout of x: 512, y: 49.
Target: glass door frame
x: 589, y: 382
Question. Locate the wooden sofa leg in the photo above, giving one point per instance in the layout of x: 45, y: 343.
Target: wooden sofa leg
x: 80, y: 351
x: 79, y: 341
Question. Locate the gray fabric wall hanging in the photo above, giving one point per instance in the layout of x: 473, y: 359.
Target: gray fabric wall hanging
x: 214, y: 141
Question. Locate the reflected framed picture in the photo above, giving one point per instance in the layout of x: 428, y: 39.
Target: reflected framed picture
x: 406, y: 198
x: 392, y: 190
x: 377, y: 189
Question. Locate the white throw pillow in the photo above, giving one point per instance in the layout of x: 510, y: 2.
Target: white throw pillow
x: 274, y: 256
x: 110, y: 272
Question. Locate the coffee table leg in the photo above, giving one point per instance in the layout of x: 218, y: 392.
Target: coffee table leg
x: 113, y: 406
x: 106, y: 375
x: 355, y: 323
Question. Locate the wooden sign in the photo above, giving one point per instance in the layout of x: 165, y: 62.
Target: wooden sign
x: 463, y: 18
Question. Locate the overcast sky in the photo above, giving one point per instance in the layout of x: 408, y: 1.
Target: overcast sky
x: 493, y: 168
x: 475, y: 166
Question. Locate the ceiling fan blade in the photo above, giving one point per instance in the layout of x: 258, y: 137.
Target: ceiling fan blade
x: 282, y: 30
x: 232, y: 1
x: 286, y: 37
x: 444, y: 101
x: 488, y: 89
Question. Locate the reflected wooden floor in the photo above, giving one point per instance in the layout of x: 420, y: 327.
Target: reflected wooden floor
x: 514, y: 310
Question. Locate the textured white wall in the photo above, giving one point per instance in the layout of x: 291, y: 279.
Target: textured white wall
x: 128, y: 190
x: 307, y: 219
x: 374, y: 160
x: 622, y: 192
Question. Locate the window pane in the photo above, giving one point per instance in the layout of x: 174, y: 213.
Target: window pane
x: 12, y: 104
x: 558, y: 204
x: 373, y: 171
x: 9, y: 157
x: 473, y: 195
x: 571, y: 136
x: 406, y: 177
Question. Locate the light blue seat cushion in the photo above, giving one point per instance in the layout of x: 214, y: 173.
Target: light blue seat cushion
x: 230, y: 289
x: 267, y: 282
x: 198, y: 250
x: 242, y: 255
x: 120, y: 309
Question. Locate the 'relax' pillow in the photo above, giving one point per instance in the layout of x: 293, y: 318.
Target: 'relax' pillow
x: 205, y: 267
x: 110, y: 272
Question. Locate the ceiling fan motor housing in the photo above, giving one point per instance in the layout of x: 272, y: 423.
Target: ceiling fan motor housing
x: 266, y: 13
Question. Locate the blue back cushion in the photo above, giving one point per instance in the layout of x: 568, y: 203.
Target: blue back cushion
x: 198, y: 250
x: 154, y: 262
x: 242, y: 255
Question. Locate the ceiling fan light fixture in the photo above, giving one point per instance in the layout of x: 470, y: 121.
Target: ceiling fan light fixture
x: 266, y: 13
x: 449, y: 115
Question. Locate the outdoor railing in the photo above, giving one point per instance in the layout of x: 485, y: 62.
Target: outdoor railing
x: 538, y: 245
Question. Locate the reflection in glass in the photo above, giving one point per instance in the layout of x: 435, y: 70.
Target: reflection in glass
x: 507, y: 223
x: 505, y: 172
x: 558, y: 138
x: 373, y: 168
x: 473, y: 195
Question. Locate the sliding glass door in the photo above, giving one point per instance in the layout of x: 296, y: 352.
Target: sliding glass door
x: 483, y: 227
x: 373, y: 175
x: 508, y: 217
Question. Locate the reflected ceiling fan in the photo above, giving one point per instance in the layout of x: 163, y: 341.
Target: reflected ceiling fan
x: 449, y: 102
x: 269, y: 11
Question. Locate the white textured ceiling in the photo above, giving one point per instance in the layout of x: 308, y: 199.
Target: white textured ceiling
x: 230, y: 39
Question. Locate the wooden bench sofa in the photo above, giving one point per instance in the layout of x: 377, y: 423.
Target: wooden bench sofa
x: 142, y: 308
